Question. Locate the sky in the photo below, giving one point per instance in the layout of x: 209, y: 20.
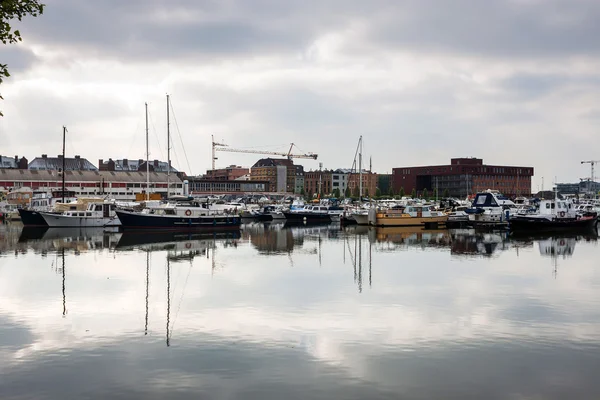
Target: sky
x: 514, y: 82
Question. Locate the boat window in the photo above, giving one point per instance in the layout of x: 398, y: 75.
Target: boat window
x: 88, y: 214
x: 98, y: 207
x: 547, y: 205
x: 552, y: 206
x: 82, y: 214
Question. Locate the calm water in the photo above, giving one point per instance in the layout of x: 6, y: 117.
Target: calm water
x: 298, y: 313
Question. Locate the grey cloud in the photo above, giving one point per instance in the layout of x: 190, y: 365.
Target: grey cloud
x: 144, y: 29
x: 17, y: 58
x: 493, y: 28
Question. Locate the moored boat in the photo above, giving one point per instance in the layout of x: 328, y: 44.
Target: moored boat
x: 552, y: 216
x: 176, y: 217
x: 414, y: 215
x: 97, y: 214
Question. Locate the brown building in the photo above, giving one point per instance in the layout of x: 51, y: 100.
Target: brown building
x: 16, y: 162
x: 280, y: 173
x: 315, y: 180
x: 369, y: 183
x: 464, y: 176
x: 230, y: 173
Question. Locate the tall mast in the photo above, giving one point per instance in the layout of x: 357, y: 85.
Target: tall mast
x: 168, y: 151
x: 360, y: 183
x: 63, y: 164
x: 147, y: 158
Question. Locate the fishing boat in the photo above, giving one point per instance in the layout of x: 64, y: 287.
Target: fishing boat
x: 97, y: 214
x: 413, y: 215
x: 551, y: 216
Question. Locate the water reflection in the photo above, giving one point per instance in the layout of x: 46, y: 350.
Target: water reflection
x: 301, y: 312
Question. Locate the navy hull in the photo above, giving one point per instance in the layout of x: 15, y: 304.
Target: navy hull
x: 139, y: 221
x: 527, y: 224
x: 306, y: 217
x: 31, y: 218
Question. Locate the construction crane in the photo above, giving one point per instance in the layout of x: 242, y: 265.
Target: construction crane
x: 592, y: 164
x: 223, y: 147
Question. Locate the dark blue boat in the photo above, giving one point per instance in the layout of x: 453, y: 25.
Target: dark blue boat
x: 183, y: 219
x: 31, y: 218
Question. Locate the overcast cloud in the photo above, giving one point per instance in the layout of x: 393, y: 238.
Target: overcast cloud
x: 514, y: 82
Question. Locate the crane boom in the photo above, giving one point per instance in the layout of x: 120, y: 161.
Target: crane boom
x: 223, y: 147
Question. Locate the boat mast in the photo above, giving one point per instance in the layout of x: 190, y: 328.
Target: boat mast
x: 360, y: 183
x: 168, y: 151
x: 63, y: 163
x: 147, y: 158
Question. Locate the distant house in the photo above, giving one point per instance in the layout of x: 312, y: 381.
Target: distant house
x: 45, y: 163
x: 10, y: 162
x: 134, y: 165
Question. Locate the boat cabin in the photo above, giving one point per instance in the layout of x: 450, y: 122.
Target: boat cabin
x: 105, y: 210
x: 557, y: 208
x: 491, y: 199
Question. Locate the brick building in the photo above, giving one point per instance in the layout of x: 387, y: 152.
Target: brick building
x: 16, y: 162
x: 230, y: 173
x: 462, y: 177
x: 312, y: 180
x: 280, y: 173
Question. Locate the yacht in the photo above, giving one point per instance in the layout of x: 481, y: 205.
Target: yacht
x: 316, y: 213
x: 44, y: 200
x: 491, y: 208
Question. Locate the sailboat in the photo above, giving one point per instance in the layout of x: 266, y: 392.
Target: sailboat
x: 182, y: 215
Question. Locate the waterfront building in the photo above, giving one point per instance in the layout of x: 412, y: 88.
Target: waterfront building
x: 121, y: 185
x: 369, y: 183
x: 462, y: 177
x: 318, y: 182
x: 202, y: 185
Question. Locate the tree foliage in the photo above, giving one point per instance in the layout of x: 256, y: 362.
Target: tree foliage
x: 413, y: 194
x: 377, y: 192
x: 336, y: 193
x: 391, y: 192
x: 446, y: 193
x: 11, y: 10
x: 401, y: 192
x: 347, y: 192
x: 425, y: 194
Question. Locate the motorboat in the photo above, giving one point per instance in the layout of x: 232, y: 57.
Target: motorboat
x: 97, y: 214
x: 550, y: 216
x: 413, y: 215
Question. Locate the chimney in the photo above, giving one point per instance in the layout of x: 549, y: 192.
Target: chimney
x: 16, y: 159
x: 77, y: 157
x: 140, y: 161
x: 60, y: 156
x: 125, y: 162
x: 155, y: 163
x: 44, y: 155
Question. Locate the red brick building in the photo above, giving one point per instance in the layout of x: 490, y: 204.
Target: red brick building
x: 462, y: 177
x: 230, y: 173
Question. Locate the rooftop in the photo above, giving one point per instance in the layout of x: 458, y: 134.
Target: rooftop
x: 55, y: 163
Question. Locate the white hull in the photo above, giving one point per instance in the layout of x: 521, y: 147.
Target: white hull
x: 62, y: 221
x: 361, y: 219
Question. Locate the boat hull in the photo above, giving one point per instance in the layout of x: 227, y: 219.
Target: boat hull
x: 411, y: 221
x: 529, y: 224
x: 361, y: 219
x: 139, y: 221
x: 307, y: 216
x: 31, y: 218
x: 64, y: 221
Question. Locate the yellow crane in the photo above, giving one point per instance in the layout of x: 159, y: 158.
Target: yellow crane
x: 223, y: 147
x: 592, y: 164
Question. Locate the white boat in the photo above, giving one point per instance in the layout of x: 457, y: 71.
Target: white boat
x: 491, y: 208
x: 96, y: 215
